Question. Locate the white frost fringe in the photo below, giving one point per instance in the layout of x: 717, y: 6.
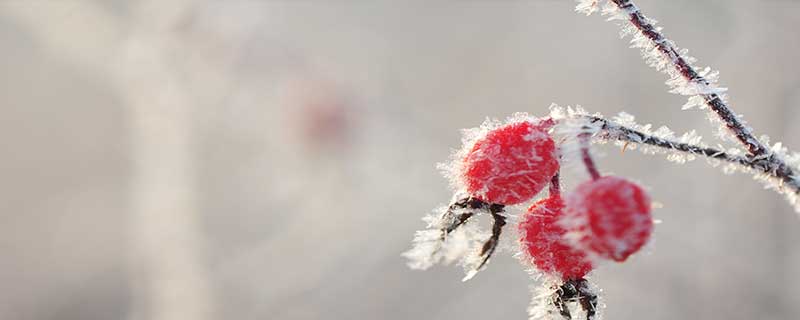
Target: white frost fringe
x: 664, y: 63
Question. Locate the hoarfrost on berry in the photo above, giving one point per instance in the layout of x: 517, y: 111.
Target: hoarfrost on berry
x: 542, y: 240
x: 511, y: 163
x: 609, y: 216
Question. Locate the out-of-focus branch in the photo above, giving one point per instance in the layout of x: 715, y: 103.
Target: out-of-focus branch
x: 166, y: 244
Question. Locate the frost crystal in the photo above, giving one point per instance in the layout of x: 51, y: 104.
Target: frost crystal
x: 542, y: 307
x: 588, y: 7
x: 695, y: 101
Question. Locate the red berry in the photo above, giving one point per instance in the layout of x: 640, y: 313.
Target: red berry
x: 511, y: 164
x: 612, y: 215
x: 543, y: 240
x: 323, y: 112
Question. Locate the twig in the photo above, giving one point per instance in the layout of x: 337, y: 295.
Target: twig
x: 713, y: 100
x: 585, y: 141
x: 759, y: 157
x: 555, y: 184
x: 767, y: 165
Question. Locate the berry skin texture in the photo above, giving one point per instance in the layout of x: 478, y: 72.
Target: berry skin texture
x: 613, y: 216
x: 542, y: 238
x: 511, y: 164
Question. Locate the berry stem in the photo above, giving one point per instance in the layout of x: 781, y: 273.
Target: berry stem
x: 587, y: 157
x: 555, y: 185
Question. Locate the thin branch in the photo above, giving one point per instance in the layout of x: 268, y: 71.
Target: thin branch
x: 760, y: 157
x: 555, y: 184
x: 767, y: 165
x: 587, y: 157
x: 713, y: 100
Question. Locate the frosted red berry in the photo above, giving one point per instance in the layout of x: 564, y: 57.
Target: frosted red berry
x: 613, y: 216
x: 543, y: 240
x: 511, y: 164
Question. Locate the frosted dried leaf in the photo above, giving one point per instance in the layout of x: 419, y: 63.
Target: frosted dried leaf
x: 431, y: 248
x: 508, y: 243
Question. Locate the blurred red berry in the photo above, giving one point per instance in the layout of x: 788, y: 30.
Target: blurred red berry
x: 511, y: 164
x: 322, y: 111
x: 543, y: 240
x: 613, y: 214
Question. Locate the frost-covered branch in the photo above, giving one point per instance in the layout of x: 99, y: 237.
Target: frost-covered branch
x: 614, y: 131
x: 585, y: 140
x: 683, y: 66
x: 774, y: 164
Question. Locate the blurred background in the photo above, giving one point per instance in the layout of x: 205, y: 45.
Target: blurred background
x: 272, y: 159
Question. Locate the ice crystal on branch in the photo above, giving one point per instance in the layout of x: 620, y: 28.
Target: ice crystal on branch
x: 588, y: 7
x: 775, y: 168
x: 664, y: 55
x: 767, y: 164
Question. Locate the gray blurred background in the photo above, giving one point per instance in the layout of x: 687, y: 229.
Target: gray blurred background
x: 271, y: 159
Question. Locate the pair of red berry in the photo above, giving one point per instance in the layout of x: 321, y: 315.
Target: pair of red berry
x: 607, y: 217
